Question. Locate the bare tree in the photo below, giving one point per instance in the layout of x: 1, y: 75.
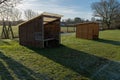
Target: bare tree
x: 6, y: 8
x: 2, y: 1
x: 29, y: 14
x: 77, y: 20
x: 108, y: 10
x: 16, y: 14
x: 6, y: 4
x: 93, y: 19
x: 5, y: 12
x: 2, y: 15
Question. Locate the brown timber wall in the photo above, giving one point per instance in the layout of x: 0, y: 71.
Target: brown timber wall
x: 51, y: 30
x: 87, y: 30
x: 39, y: 33
x: 29, y: 31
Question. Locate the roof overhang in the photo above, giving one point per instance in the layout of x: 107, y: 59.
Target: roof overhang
x: 47, y: 17
x: 50, y: 17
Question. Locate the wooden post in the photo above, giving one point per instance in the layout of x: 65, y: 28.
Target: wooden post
x: 4, y: 34
x: 74, y: 28
x: 67, y: 28
x: 10, y: 31
x: 43, y: 32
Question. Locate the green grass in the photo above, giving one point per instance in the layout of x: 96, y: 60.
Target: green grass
x: 75, y: 59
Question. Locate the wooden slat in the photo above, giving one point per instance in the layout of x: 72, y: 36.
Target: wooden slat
x: 87, y: 30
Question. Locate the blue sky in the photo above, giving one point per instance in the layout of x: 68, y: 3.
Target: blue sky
x: 68, y: 8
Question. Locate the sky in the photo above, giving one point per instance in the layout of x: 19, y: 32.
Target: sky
x: 67, y: 8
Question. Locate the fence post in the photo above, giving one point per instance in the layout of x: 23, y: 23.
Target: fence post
x: 4, y: 31
x: 10, y: 31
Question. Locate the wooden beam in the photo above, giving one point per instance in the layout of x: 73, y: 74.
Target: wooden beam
x: 52, y: 21
x: 10, y: 31
x: 48, y: 16
x: 4, y: 34
x: 43, y: 33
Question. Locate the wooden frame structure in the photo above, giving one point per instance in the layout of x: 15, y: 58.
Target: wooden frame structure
x: 7, y: 32
x: 87, y: 30
x: 42, y: 31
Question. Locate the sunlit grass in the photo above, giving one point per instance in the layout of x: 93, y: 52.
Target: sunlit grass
x: 75, y: 59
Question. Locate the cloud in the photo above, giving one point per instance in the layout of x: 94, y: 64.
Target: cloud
x: 53, y: 6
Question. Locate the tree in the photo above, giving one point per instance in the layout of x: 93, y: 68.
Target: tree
x: 16, y: 15
x: 77, y: 20
x: 6, y: 7
x: 2, y: 1
x: 29, y: 14
x: 69, y: 21
x: 93, y: 19
x: 5, y: 10
x: 108, y: 10
x: 6, y: 4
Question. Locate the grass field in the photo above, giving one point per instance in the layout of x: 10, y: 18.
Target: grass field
x: 75, y: 59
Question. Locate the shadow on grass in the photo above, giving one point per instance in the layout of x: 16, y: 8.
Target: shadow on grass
x: 4, y: 73
x: 5, y: 42
x: 18, y: 70
x: 109, y: 42
x: 91, y: 66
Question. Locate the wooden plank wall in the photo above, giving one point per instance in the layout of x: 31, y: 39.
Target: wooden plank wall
x: 52, y: 33
x: 29, y: 30
x: 27, y: 33
x: 87, y: 31
x: 52, y: 30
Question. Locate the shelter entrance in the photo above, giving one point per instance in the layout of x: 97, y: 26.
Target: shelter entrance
x: 42, y: 31
x: 51, y: 43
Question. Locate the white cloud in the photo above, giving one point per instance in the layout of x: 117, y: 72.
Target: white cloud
x: 54, y: 7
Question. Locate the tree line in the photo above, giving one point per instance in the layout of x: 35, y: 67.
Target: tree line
x: 15, y: 16
x: 74, y: 20
x: 8, y: 12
